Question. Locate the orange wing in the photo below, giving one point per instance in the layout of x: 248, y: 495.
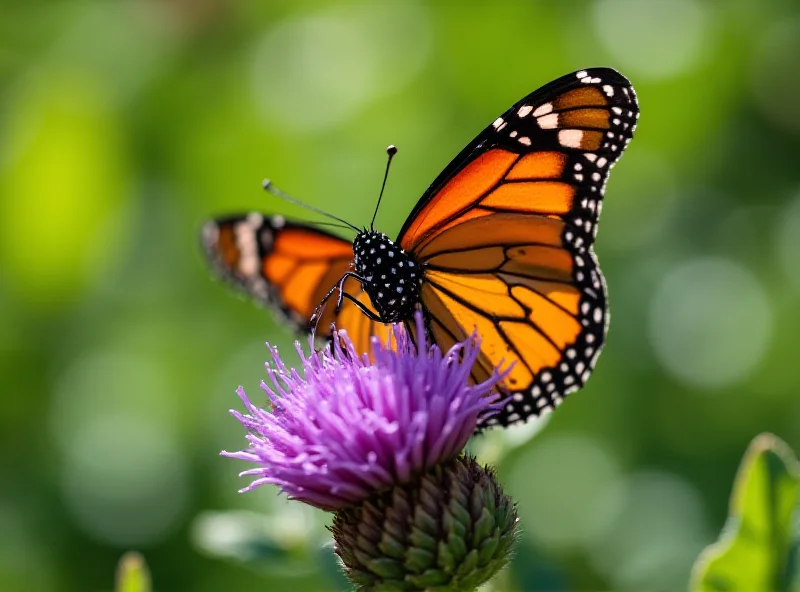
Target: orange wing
x: 291, y: 267
x: 287, y: 266
x: 517, y: 285
x: 549, y: 154
x: 505, y: 238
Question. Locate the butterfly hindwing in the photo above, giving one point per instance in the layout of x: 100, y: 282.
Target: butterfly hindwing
x: 517, y: 285
x: 287, y: 266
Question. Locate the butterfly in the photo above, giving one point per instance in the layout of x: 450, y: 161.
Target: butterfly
x: 502, y: 242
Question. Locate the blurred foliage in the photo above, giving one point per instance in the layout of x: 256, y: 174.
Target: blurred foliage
x: 756, y: 549
x: 123, y: 125
x: 267, y: 545
x: 132, y: 574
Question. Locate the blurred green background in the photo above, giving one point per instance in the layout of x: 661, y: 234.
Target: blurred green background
x: 123, y: 125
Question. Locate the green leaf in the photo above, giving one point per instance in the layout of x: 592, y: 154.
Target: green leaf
x: 756, y: 546
x: 132, y: 574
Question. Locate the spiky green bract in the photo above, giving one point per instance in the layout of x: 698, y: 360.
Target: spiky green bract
x: 452, y: 529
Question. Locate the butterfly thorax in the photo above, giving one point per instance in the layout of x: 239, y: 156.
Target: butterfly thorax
x: 392, y: 278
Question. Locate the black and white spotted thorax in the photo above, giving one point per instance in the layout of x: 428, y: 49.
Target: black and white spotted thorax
x: 391, y: 277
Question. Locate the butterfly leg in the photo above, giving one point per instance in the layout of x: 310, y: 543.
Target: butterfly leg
x: 342, y: 295
x: 367, y: 312
x: 317, y: 315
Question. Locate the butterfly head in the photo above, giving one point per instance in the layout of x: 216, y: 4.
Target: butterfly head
x: 392, y: 278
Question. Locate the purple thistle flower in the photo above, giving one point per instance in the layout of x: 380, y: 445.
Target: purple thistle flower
x: 353, y: 427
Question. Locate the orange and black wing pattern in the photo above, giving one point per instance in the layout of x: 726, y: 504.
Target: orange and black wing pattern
x: 290, y: 267
x: 505, y: 237
x: 287, y: 266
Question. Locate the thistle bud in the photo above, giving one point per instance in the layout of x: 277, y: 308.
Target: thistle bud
x: 452, y: 528
x: 377, y: 440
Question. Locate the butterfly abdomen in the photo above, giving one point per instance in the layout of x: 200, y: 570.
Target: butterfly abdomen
x: 391, y: 276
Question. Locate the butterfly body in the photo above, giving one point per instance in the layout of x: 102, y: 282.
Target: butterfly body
x: 391, y: 277
x: 501, y: 242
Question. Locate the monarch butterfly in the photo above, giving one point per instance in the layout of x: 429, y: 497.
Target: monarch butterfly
x: 501, y: 241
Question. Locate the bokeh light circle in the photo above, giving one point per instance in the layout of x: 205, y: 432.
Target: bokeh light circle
x: 555, y: 483
x: 124, y: 480
x: 710, y: 322
x: 653, y: 39
x: 82, y: 390
x: 653, y: 543
x: 312, y: 72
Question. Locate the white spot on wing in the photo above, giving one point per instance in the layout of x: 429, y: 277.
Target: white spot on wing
x: 548, y: 121
x: 524, y: 110
x: 247, y: 244
x: 571, y: 138
x: 255, y: 219
x: 543, y: 110
x: 210, y: 233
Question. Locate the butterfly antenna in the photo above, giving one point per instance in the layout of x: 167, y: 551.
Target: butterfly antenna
x: 391, y: 151
x: 333, y: 224
x: 267, y: 184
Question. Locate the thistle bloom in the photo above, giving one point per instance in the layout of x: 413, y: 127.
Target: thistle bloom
x: 352, y: 426
x: 378, y: 441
